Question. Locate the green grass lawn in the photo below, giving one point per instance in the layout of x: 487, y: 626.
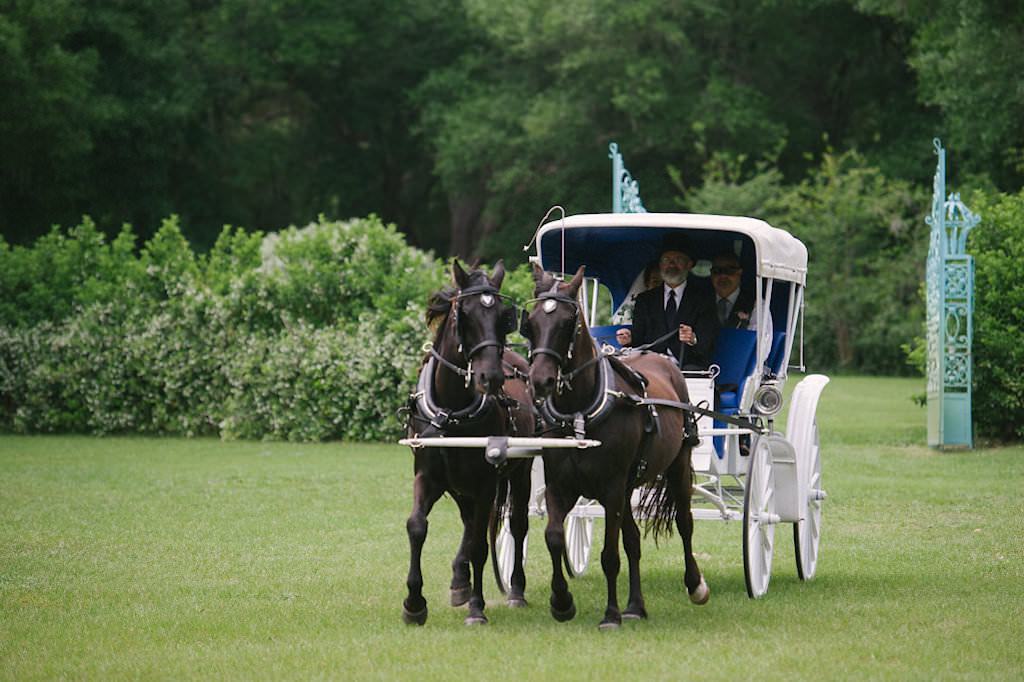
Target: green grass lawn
x: 128, y: 558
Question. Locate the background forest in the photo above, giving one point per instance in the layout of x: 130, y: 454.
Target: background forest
x: 462, y: 121
x: 143, y: 129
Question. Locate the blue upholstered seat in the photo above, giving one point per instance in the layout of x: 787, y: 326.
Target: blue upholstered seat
x: 735, y: 354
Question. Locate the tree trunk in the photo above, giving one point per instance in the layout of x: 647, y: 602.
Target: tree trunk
x: 465, y: 213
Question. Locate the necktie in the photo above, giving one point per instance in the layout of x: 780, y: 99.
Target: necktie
x: 670, y: 308
x: 723, y: 310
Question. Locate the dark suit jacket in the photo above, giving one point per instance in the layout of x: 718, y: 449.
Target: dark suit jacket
x: 745, y: 304
x: 696, y: 310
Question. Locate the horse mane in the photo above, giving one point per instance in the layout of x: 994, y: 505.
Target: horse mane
x: 439, y: 305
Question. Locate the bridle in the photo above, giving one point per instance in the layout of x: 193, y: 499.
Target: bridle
x: 549, y: 301
x: 489, y: 296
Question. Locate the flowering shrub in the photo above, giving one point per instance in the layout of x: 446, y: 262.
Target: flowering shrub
x: 310, y: 334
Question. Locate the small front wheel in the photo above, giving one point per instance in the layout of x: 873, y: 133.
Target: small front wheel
x: 579, y: 537
x: 759, y: 519
x: 506, y: 549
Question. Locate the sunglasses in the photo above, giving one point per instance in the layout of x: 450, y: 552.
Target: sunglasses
x: 724, y: 270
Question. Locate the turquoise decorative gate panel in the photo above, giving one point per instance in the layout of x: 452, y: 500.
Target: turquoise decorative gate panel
x: 625, y: 190
x: 950, y: 310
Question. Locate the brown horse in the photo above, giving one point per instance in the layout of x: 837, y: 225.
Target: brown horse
x: 629, y: 405
x: 464, y: 390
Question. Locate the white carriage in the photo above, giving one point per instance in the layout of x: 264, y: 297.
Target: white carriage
x: 745, y: 470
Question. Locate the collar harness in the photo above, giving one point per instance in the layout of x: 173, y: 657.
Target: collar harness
x: 421, y: 403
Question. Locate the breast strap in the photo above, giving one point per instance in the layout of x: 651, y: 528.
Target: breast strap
x: 422, y: 401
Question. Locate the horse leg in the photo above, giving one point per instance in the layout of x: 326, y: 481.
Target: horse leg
x: 519, y: 509
x: 425, y: 493
x: 610, y: 562
x: 478, y: 559
x: 562, y: 607
x: 461, y: 587
x: 680, y: 477
x: 631, y: 544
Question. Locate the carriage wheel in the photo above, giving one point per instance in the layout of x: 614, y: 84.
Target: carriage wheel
x: 506, y: 546
x: 807, y: 532
x: 759, y: 519
x: 579, y: 537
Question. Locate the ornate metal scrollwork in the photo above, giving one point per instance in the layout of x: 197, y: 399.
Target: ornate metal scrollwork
x: 950, y: 307
x: 625, y: 190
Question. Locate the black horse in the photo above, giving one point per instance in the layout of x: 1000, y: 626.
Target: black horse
x: 469, y: 385
x: 630, y: 404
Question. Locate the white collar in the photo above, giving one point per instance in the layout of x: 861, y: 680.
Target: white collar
x: 679, y: 292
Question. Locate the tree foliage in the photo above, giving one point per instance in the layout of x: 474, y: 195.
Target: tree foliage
x: 866, y: 244
x: 997, y: 244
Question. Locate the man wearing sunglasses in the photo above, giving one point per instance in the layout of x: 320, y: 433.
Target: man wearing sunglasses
x: 734, y: 305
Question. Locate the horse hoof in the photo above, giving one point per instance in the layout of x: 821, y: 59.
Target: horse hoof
x: 414, y: 618
x: 701, y: 594
x: 476, y: 620
x: 634, y: 615
x: 516, y: 603
x: 607, y: 625
x: 460, y: 595
x: 564, y: 615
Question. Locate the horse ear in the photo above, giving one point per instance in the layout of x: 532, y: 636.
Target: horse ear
x: 540, y: 279
x: 459, y: 277
x: 577, y: 280
x: 498, y: 274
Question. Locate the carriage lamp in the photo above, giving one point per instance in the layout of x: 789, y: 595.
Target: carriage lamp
x: 768, y: 400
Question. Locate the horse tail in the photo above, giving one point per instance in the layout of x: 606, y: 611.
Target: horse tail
x: 498, y: 509
x: 657, y: 507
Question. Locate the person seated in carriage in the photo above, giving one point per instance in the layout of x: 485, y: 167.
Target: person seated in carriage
x: 676, y: 305
x: 733, y: 303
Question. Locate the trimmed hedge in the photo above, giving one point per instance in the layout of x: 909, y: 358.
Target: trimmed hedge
x: 309, y: 334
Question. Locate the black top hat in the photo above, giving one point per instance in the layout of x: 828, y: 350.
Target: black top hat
x: 674, y: 241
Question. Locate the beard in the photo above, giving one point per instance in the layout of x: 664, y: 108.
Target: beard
x: 673, y: 276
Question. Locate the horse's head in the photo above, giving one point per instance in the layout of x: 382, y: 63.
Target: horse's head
x: 480, y: 320
x: 551, y: 328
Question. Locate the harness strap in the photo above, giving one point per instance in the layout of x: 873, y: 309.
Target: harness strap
x: 728, y: 418
x: 594, y: 414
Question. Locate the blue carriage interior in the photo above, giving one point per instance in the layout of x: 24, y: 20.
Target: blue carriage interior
x: 615, y: 256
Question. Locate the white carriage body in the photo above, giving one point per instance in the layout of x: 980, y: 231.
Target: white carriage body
x: 615, y: 248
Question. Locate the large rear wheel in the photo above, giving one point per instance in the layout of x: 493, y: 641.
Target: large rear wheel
x: 807, y: 531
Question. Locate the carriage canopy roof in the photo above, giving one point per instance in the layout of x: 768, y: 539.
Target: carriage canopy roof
x: 615, y: 247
